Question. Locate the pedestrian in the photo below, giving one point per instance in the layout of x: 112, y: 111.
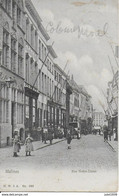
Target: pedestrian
x: 114, y: 131
x: 29, y: 145
x: 68, y: 137
x: 78, y: 133
x: 105, y: 132
x: 45, y: 133
x: 109, y: 135
x: 16, y: 146
x: 50, y: 134
x: 42, y: 134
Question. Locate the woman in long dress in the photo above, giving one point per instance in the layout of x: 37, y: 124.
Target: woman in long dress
x: 29, y: 145
x: 16, y: 145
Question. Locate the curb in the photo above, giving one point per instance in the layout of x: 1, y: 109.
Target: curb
x: 111, y: 146
x: 49, y: 144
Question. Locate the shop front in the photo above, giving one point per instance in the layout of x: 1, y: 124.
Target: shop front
x: 31, y: 114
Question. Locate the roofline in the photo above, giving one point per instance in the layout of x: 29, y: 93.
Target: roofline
x: 51, y: 50
x: 32, y: 10
x: 56, y: 65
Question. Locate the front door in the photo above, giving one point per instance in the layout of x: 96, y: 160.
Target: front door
x: 13, y: 118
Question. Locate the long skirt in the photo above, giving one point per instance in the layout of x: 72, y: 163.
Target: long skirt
x: 29, y: 147
x: 16, y: 148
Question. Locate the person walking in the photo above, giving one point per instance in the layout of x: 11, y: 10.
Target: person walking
x: 68, y: 137
x: 45, y: 134
x: 42, y: 134
x: 109, y: 134
x: 16, y: 146
x: 114, y: 131
x: 50, y: 134
x: 105, y: 132
x: 29, y: 145
x: 78, y: 133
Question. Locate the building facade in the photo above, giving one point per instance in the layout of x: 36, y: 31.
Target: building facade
x: 74, y: 101
x: 39, y: 71
x: 12, y: 49
x: 98, y: 119
x: 112, y: 101
x: 32, y: 86
x: 81, y: 108
x: 34, y: 91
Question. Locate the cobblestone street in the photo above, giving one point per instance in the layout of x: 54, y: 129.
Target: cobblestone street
x: 86, y: 159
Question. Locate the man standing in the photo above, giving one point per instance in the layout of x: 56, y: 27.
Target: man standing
x: 68, y: 137
x: 105, y: 132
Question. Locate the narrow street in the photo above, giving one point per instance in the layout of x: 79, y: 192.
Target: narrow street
x: 87, y: 158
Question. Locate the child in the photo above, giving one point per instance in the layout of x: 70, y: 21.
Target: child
x: 68, y: 136
x: 29, y: 145
x: 16, y: 145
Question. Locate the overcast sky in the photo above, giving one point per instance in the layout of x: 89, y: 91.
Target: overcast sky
x: 92, y: 26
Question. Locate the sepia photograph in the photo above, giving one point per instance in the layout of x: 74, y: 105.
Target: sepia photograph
x: 59, y: 74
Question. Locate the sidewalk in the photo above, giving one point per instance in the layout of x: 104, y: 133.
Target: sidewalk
x: 39, y: 144
x: 113, y: 144
x: 8, y: 151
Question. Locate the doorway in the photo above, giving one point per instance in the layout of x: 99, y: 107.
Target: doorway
x: 13, y: 118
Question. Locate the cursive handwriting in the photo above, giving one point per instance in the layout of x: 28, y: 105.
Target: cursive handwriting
x: 81, y: 31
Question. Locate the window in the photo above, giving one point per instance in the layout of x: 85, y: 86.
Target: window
x: 34, y: 112
x: 20, y: 59
x: 32, y: 36
x: 40, y: 50
x: 50, y: 66
x: 13, y: 11
x: 44, y: 53
x: 6, y: 4
x: 5, y: 48
x: 4, y: 105
x: 27, y: 29
x: 36, y: 73
x: 27, y: 68
x: 42, y: 82
x: 55, y: 75
x: 45, y: 85
x: 27, y: 111
x: 13, y: 54
x: 20, y: 107
x: 36, y: 41
x: 50, y: 87
x: 19, y: 16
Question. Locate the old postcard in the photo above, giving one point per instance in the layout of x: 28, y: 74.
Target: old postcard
x: 59, y: 62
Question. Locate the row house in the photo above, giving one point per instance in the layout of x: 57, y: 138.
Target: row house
x: 57, y: 103
x: 86, y: 109
x: 112, y: 102
x: 12, y: 48
x: 32, y: 86
x: 74, y: 101
x: 81, y: 108
x: 39, y: 72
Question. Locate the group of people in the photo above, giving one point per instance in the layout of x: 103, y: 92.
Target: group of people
x: 47, y: 134
x: 108, y: 133
x: 17, y: 145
